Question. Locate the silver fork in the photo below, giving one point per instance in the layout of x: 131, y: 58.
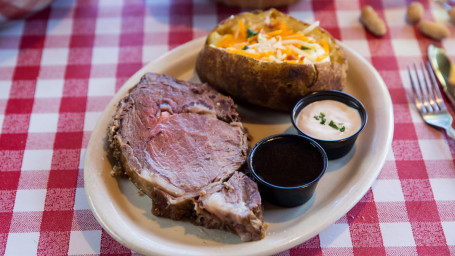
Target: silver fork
x: 428, y: 99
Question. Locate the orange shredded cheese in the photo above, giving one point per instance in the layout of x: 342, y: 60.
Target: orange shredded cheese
x: 241, y: 29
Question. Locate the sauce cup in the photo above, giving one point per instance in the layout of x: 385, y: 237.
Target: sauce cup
x: 287, y: 168
x: 335, y: 148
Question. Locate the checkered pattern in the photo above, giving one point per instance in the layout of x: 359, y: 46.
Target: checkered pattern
x: 60, y: 67
x: 13, y: 10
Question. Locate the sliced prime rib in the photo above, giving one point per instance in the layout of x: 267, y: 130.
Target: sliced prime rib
x: 182, y: 144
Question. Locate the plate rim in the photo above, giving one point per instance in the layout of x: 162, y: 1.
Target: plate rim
x: 182, y: 50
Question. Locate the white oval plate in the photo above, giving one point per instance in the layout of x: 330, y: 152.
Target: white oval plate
x: 127, y: 218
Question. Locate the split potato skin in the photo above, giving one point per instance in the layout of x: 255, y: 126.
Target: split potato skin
x: 269, y: 84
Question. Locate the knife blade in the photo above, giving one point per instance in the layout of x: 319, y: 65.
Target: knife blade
x: 444, y: 70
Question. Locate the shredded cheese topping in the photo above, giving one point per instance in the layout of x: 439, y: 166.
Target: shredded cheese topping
x: 273, y: 42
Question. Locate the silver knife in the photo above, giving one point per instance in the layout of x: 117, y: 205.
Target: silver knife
x: 444, y: 70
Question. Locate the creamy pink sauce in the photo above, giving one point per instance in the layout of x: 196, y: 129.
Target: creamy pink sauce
x: 309, y: 120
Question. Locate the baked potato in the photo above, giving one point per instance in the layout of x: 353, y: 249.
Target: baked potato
x: 270, y: 59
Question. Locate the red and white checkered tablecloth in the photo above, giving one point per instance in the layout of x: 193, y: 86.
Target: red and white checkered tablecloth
x: 60, y: 67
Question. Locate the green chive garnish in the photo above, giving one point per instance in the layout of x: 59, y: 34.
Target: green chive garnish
x: 320, y: 117
x: 333, y: 125
x: 250, y: 33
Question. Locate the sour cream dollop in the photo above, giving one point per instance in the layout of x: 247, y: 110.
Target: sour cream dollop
x: 329, y: 120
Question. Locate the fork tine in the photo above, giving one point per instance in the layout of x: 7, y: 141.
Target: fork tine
x: 434, y: 85
x: 417, y: 100
x: 424, y: 93
x: 428, y: 89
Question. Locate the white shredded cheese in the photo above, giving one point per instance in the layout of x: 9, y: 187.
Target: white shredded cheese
x: 310, y: 27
